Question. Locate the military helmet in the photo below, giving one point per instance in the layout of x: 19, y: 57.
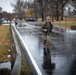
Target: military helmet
x: 48, y: 17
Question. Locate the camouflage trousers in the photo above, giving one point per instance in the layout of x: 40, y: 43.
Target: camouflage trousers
x: 46, y: 39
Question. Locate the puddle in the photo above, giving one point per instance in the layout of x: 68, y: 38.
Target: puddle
x: 5, y: 65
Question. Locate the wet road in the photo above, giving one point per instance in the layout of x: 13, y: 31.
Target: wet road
x: 60, y: 59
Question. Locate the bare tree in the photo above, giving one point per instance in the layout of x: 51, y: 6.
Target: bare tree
x: 36, y: 9
x: 58, y: 6
x: 73, y: 3
x: 54, y: 7
x: 19, y: 8
x: 41, y: 8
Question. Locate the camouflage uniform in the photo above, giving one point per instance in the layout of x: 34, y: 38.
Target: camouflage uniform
x: 46, y: 34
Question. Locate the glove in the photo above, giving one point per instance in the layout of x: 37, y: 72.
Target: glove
x: 45, y: 30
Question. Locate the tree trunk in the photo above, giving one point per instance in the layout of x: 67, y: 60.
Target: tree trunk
x: 57, y: 14
x: 52, y: 14
x: 62, y: 10
x: 35, y: 9
x: 42, y: 15
x: 36, y: 15
x: 42, y: 11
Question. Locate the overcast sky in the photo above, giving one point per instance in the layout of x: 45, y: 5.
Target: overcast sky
x: 6, y: 6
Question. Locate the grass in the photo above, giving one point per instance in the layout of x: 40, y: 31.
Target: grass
x: 67, y: 22
x: 4, y: 43
x: 25, y: 69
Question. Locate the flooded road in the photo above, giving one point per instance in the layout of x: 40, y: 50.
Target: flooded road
x: 60, y: 59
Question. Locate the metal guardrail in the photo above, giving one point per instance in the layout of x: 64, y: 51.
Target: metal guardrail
x: 17, y: 66
x: 31, y: 62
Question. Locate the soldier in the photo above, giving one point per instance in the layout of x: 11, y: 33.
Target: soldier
x: 16, y: 22
x: 47, y: 29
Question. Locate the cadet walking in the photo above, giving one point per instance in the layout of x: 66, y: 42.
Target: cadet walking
x: 46, y: 30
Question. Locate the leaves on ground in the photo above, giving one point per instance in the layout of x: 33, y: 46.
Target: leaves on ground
x: 4, y: 43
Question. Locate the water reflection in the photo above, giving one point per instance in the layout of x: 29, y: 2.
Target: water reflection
x: 47, y: 64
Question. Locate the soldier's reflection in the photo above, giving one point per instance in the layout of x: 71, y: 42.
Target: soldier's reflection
x: 47, y: 64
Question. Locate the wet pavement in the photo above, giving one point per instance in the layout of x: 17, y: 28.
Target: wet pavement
x: 60, y: 59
